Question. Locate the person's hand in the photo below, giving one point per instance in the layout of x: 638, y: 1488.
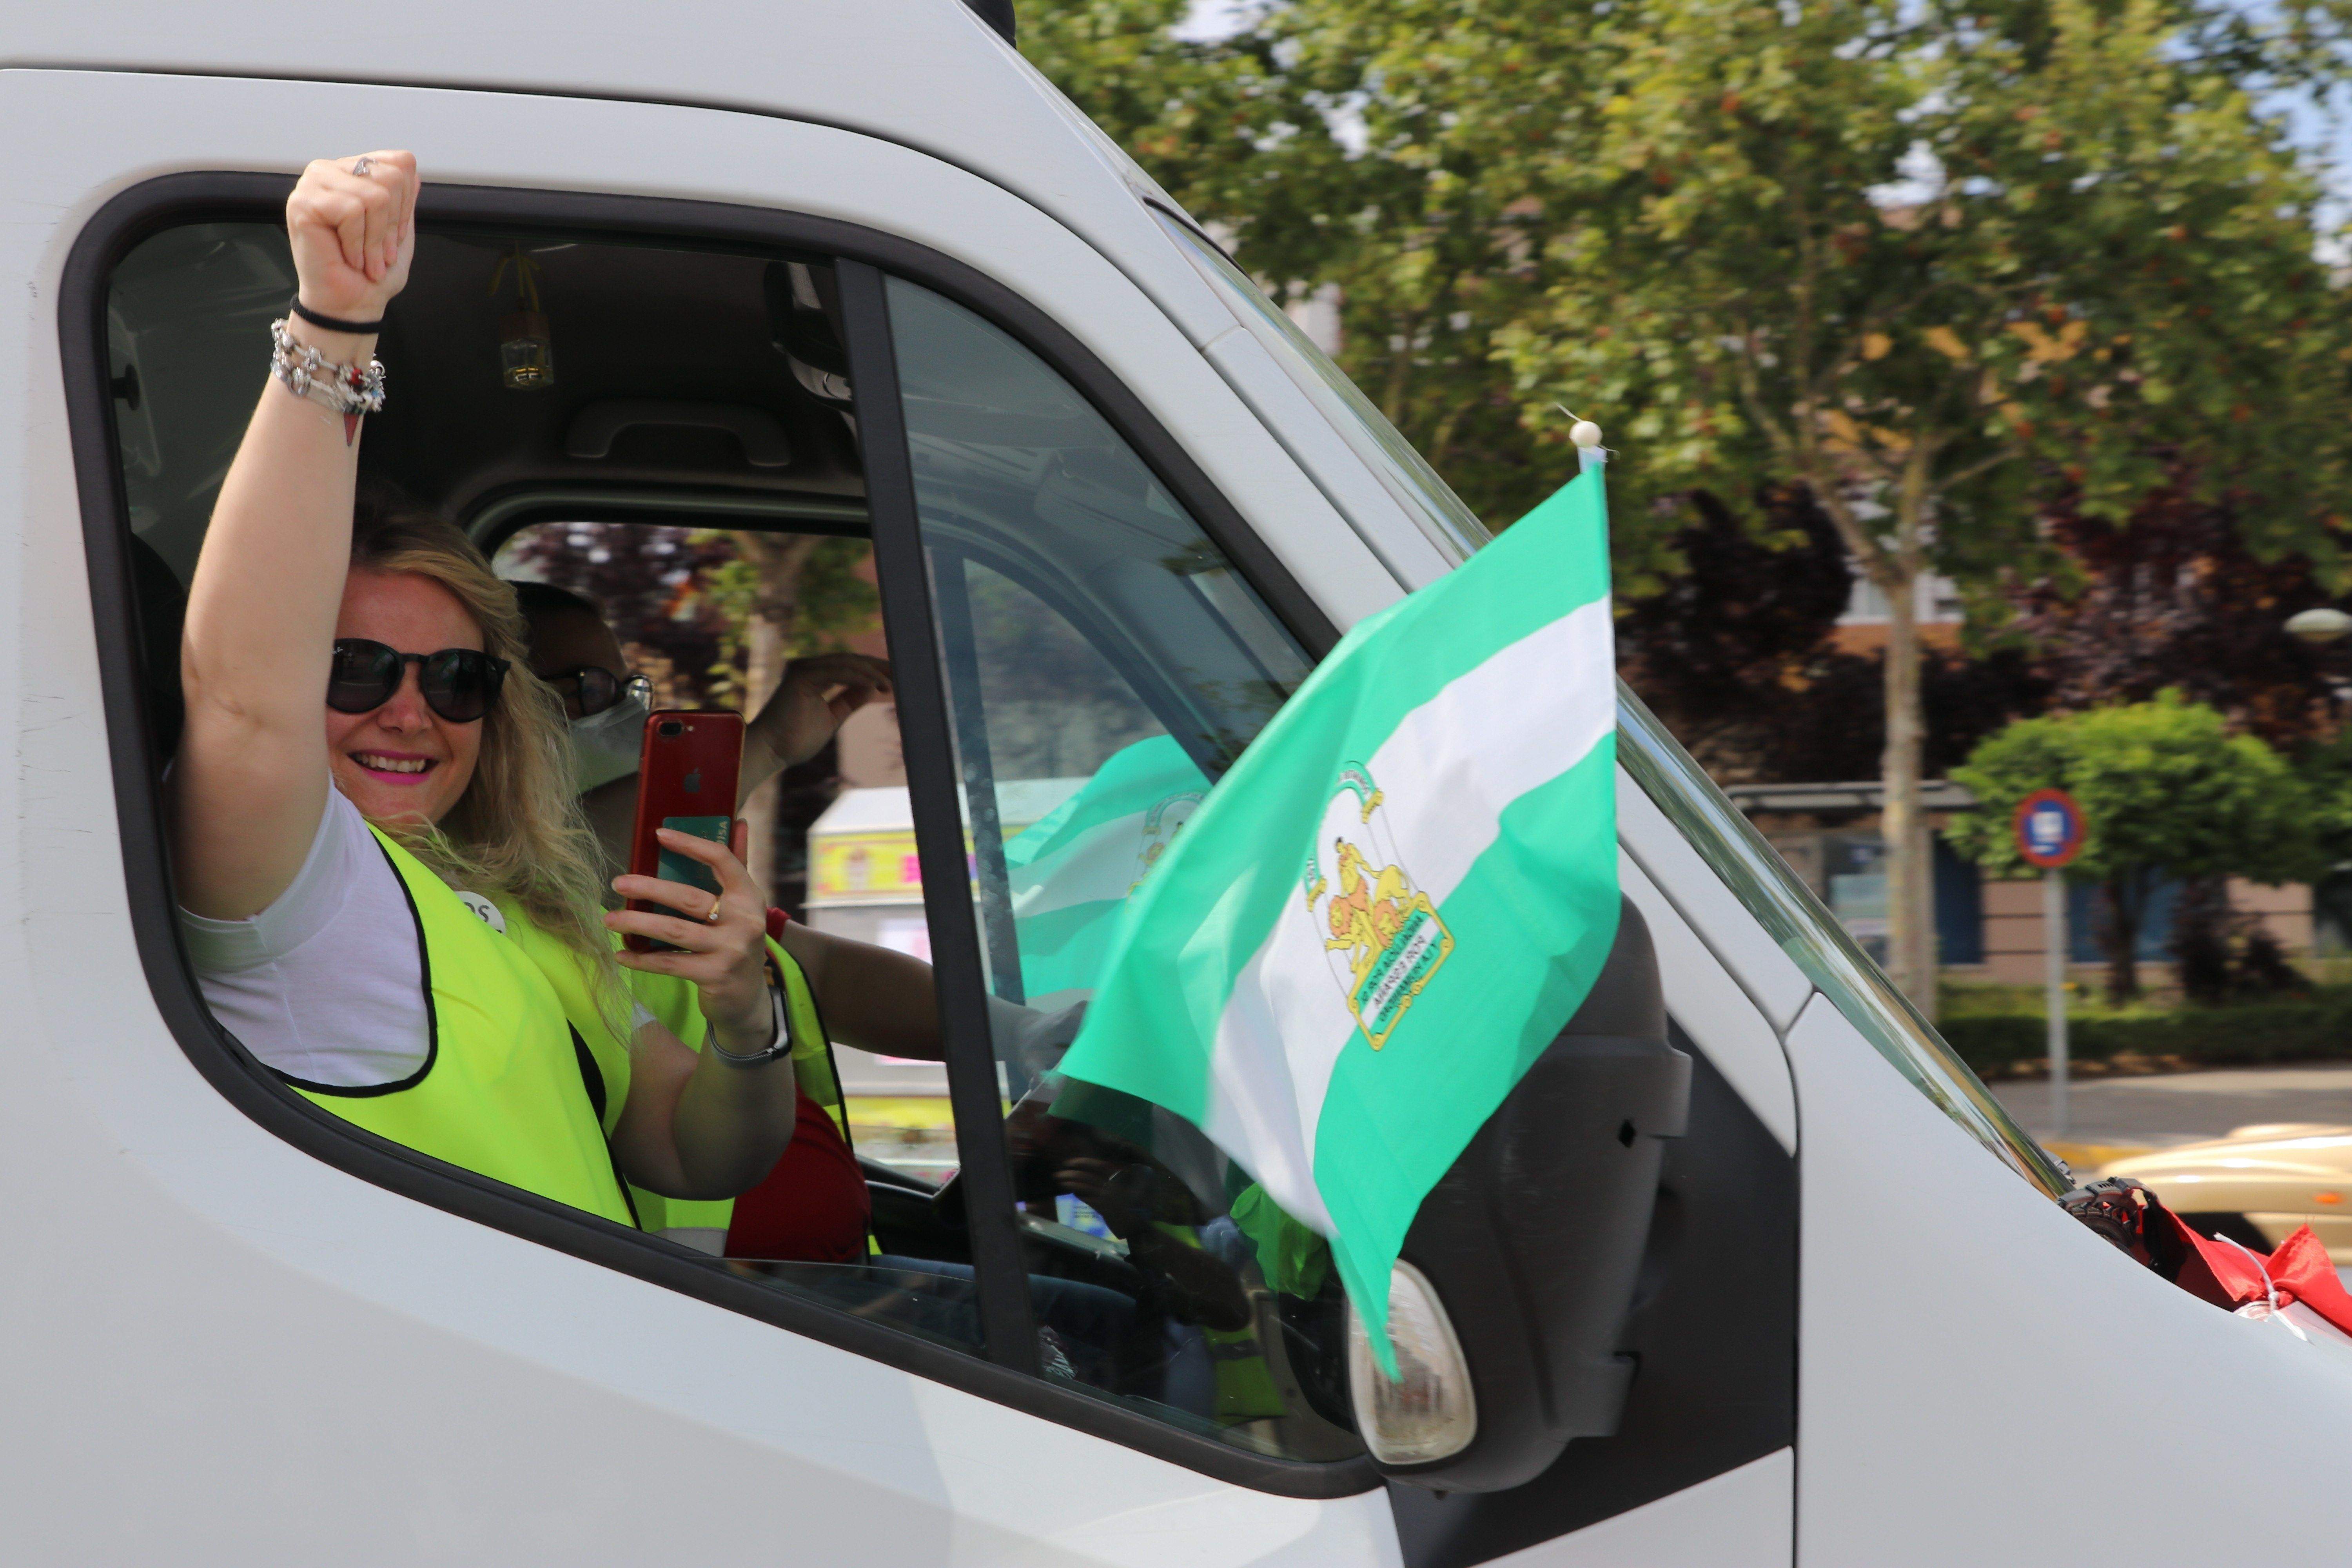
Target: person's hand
x: 726, y: 958
x: 352, y: 223
x: 1130, y: 1194
x: 810, y: 701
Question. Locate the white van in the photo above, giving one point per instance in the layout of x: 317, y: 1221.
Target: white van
x: 856, y: 269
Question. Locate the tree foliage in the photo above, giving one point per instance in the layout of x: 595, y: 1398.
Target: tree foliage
x: 2175, y: 597
x: 1937, y: 264
x: 2163, y: 787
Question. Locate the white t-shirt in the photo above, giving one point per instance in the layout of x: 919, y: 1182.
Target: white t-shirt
x: 326, y: 984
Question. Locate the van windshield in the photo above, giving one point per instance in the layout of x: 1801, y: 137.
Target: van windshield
x: 1810, y: 935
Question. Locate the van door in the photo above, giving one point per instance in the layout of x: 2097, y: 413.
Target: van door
x: 293, y: 1334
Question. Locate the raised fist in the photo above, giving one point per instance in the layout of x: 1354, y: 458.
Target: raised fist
x: 352, y: 222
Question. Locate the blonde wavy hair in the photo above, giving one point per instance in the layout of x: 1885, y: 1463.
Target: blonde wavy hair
x: 517, y: 831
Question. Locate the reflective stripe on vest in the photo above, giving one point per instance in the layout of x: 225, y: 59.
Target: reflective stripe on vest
x: 674, y: 1002
x: 502, y: 1091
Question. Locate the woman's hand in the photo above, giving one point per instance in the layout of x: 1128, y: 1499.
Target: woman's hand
x: 816, y: 695
x: 726, y: 957
x: 352, y: 222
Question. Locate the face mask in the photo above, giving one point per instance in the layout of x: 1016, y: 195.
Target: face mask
x: 605, y: 746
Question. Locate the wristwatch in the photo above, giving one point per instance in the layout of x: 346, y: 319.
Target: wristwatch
x: 779, y: 1045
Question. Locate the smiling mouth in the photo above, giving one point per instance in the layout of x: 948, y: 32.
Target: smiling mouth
x: 395, y: 767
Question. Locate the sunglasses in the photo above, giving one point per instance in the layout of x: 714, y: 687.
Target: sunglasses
x: 457, y: 683
x: 591, y: 689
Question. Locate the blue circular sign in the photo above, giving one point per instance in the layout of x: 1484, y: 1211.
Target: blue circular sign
x: 2049, y: 827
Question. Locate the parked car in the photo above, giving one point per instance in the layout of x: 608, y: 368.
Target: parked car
x: 2258, y: 1184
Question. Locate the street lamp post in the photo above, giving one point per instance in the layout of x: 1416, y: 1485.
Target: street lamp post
x: 2318, y: 628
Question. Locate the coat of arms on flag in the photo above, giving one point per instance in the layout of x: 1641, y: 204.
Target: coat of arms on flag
x: 1381, y: 935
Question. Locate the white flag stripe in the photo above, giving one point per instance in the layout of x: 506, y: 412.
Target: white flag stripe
x: 1520, y: 718
x: 1284, y: 995
x: 1446, y: 773
x: 1101, y: 865
x: 1250, y: 1111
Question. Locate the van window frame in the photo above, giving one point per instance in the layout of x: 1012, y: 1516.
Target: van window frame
x: 143, y: 210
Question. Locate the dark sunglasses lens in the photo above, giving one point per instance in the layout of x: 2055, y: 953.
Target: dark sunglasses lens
x: 599, y: 689
x: 363, y: 677
x: 460, y: 684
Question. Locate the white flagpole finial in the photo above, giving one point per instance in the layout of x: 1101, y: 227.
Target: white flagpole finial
x: 1587, y: 436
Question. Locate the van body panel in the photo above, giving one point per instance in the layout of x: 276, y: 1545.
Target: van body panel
x: 1742, y: 1518
x: 1320, y: 451
x: 1770, y: 977
x: 1971, y: 1356
x: 1708, y: 1003
x: 926, y: 74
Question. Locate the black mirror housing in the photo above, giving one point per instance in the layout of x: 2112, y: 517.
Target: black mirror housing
x: 1533, y: 1238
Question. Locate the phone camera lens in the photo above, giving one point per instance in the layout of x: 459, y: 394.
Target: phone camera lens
x: 672, y: 727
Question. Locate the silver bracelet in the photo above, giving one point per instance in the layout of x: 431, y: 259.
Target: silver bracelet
x: 308, y: 373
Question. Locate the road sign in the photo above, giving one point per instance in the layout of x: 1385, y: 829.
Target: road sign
x: 2048, y: 834
x: 2049, y: 828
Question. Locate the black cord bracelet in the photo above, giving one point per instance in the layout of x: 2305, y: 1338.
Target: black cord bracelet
x: 333, y: 324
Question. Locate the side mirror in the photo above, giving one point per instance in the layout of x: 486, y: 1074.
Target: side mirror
x: 1521, y: 1267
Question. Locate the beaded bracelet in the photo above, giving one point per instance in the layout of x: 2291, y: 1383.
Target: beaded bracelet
x: 344, y: 389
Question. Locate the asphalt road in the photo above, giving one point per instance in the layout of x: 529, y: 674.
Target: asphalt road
x: 2163, y: 1108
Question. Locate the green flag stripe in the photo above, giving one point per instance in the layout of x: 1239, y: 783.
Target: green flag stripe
x: 1392, y: 1119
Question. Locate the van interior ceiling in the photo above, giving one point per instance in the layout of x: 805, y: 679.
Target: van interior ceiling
x: 650, y: 383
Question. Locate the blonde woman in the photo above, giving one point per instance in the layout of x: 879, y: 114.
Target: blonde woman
x: 377, y: 892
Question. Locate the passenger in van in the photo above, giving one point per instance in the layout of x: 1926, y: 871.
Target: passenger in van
x: 813, y: 1205
x: 386, y: 897
x: 875, y: 998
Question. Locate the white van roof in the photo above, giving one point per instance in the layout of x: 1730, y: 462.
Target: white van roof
x: 926, y: 74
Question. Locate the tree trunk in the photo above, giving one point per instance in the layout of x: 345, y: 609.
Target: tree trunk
x: 778, y: 560
x: 2119, y: 934
x: 1910, y: 858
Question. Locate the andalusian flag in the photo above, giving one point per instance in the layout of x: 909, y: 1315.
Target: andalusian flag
x: 1386, y: 910
x: 1073, y: 868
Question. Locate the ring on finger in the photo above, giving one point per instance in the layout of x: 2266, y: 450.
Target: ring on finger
x: 712, y: 918
x: 363, y: 163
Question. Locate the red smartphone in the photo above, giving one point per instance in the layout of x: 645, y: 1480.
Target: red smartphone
x: 686, y: 776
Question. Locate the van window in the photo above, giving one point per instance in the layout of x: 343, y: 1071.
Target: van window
x: 610, y: 480
x: 1105, y: 664
x: 1817, y: 941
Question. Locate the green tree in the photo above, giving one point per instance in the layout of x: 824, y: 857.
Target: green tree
x: 2164, y: 787
x: 1935, y: 263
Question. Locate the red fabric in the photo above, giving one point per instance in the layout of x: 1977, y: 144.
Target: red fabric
x: 777, y: 921
x: 813, y: 1207
x: 2229, y: 1275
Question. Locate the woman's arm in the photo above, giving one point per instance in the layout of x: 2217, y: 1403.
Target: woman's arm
x: 873, y: 998
x: 251, y: 777
x: 698, y: 1125
x: 807, y: 708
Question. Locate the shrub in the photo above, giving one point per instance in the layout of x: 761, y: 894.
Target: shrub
x: 2217, y: 1037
